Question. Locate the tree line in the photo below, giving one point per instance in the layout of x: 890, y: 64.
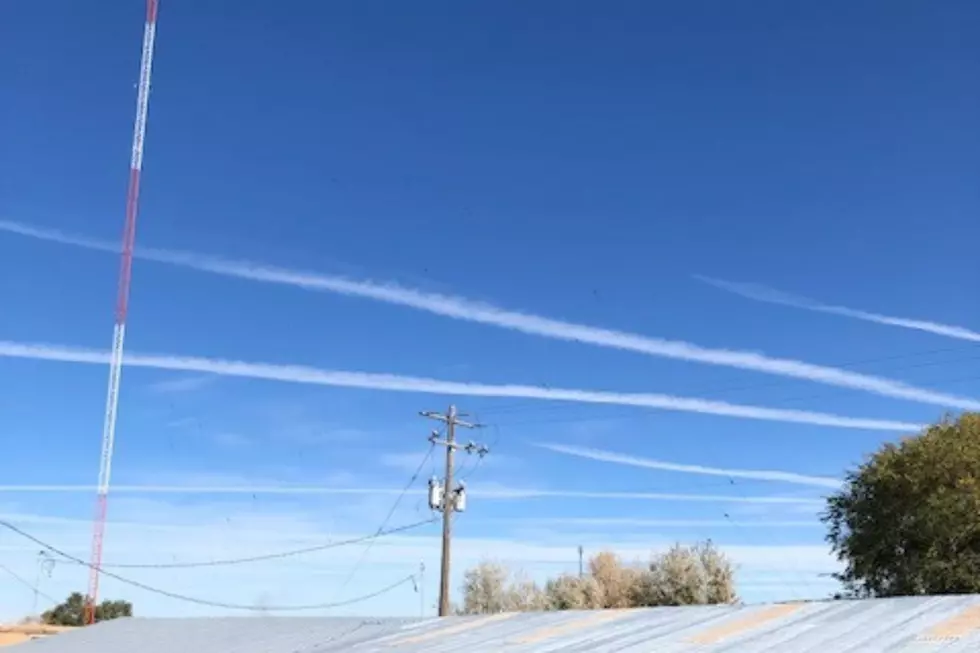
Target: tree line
x: 683, y: 575
x: 906, y: 521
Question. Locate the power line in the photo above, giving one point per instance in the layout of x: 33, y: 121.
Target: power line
x: 801, y: 576
x: 267, y: 556
x: 467, y: 474
x: 206, y: 602
x: 27, y: 584
x: 391, y: 511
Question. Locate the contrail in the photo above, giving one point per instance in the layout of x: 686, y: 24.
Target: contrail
x: 22, y: 518
x: 489, y: 493
x: 316, y: 376
x: 199, y: 489
x: 760, y: 293
x: 636, y: 461
x: 464, y: 309
x: 660, y: 523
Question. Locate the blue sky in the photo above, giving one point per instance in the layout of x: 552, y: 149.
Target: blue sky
x: 562, y: 160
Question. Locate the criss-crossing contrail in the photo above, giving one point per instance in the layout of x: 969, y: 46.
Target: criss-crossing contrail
x: 487, y: 493
x: 760, y: 293
x: 647, y: 463
x: 472, y: 311
x: 317, y: 376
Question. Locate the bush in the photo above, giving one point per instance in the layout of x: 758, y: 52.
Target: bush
x: 694, y: 575
x: 72, y: 611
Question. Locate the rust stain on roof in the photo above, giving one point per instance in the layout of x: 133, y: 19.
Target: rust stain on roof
x: 571, y: 626
x: 739, y: 626
x: 955, y: 627
x: 469, y: 624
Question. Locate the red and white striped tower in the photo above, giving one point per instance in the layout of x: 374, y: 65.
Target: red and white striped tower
x: 122, y: 304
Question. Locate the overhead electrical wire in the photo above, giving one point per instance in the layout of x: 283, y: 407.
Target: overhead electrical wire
x: 26, y: 583
x: 791, y: 587
x: 391, y: 511
x: 467, y: 474
x: 207, y: 602
x: 266, y: 556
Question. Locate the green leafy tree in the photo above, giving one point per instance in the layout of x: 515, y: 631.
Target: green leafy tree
x: 907, y: 520
x: 72, y: 611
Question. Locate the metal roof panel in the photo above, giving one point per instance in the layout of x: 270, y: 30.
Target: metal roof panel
x: 946, y: 624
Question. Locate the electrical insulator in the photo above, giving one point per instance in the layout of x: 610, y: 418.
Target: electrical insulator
x: 459, y: 501
x: 435, y: 494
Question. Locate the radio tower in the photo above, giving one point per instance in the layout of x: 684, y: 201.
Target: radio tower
x: 122, y: 302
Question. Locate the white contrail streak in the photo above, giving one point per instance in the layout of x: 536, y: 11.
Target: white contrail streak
x: 316, y: 376
x: 24, y: 518
x: 647, y: 463
x: 464, y: 309
x: 768, y: 295
x: 661, y: 523
x: 497, y: 494
x: 199, y: 489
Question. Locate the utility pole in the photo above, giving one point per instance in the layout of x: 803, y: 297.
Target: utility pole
x: 422, y: 589
x: 445, y: 497
x: 581, y: 568
x: 45, y: 563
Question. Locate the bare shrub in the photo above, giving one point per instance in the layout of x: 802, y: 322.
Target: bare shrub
x: 682, y: 575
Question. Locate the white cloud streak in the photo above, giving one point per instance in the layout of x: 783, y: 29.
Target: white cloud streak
x: 316, y: 376
x: 648, y: 463
x: 408, y: 462
x: 571, y: 522
x: 488, y: 494
x: 550, y: 522
x: 459, y: 308
x: 760, y: 293
x: 182, y: 384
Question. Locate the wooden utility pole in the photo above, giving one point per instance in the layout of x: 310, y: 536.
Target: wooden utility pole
x: 451, y: 499
x: 447, y: 514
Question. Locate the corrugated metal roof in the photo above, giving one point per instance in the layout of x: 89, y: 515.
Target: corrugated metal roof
x: 218, y: 635
x: 949, y: 624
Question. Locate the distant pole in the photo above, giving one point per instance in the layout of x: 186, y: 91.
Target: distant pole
x: 37, y: 583
x: 581, y: 567
x: 45, y: 563
x: 422, y: 589
x: 452, y: 498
